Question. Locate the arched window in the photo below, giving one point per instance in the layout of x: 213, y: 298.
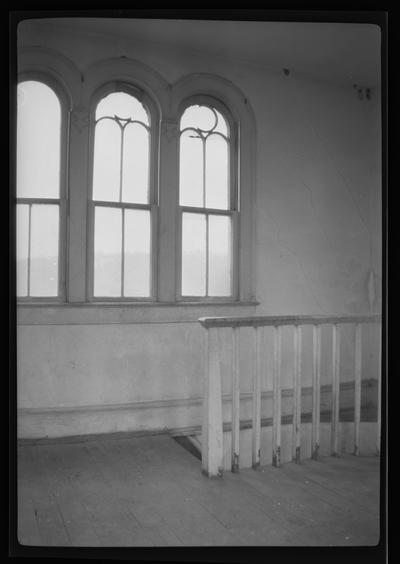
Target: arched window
x: 123, y: 195
x: 40, y: 198
x: 208, y: 201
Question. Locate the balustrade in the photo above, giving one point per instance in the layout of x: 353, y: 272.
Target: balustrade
x: 212, y: 427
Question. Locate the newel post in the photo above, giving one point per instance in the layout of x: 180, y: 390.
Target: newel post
x: 212, y: 431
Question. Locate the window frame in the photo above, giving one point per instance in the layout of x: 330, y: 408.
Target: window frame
x: 62, y: 200
x: 234, y: 203
x: 154, y: 129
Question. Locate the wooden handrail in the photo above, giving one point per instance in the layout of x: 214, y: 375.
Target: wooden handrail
x: 269, y: 321
x: 212, y: 428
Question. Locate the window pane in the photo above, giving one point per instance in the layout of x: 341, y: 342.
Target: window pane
x: 44, y: 250
x: 22, y: 249
x: 219, y: 256
x: 193, y: 254
x: 200, y: 117
x: 217, y: 172
x: 135, y: 178
x: 222, y: 126
x: 38, y: 141
x: 191, y: 170
x: 137, y: 253
x: 107, y: 251
x: 107, y: 161
x: 122, y: 105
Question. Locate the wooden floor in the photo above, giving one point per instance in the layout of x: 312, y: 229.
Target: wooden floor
x: 149, y: 491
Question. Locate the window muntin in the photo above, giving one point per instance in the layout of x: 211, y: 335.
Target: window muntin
x: 122, y: 218
x: 39, y: 123
x: 207, y: 203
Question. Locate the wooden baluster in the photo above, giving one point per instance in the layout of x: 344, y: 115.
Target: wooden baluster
x: 335, y: 389
x: 379, y: 399
x: 235, y: 399
x: 316, y: 391
x: 357, y: 387
x: 256, y: 431
x: 276, y: 430
x: 297, y: 394
x: 212, y: 432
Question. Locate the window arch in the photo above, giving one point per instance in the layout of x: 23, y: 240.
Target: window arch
x: 123, y: 193
x: 41, y: 188
x: 208, y: 200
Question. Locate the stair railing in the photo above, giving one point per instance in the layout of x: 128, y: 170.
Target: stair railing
x: 212, y: 424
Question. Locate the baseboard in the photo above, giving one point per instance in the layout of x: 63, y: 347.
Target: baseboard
x: 179, y: 416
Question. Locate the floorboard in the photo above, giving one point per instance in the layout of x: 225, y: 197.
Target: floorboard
x: 149, y: 491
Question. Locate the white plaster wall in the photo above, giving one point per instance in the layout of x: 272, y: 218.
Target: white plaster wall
x: 318, y: 198
x: 83, y: 365
x: 317, y: 238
